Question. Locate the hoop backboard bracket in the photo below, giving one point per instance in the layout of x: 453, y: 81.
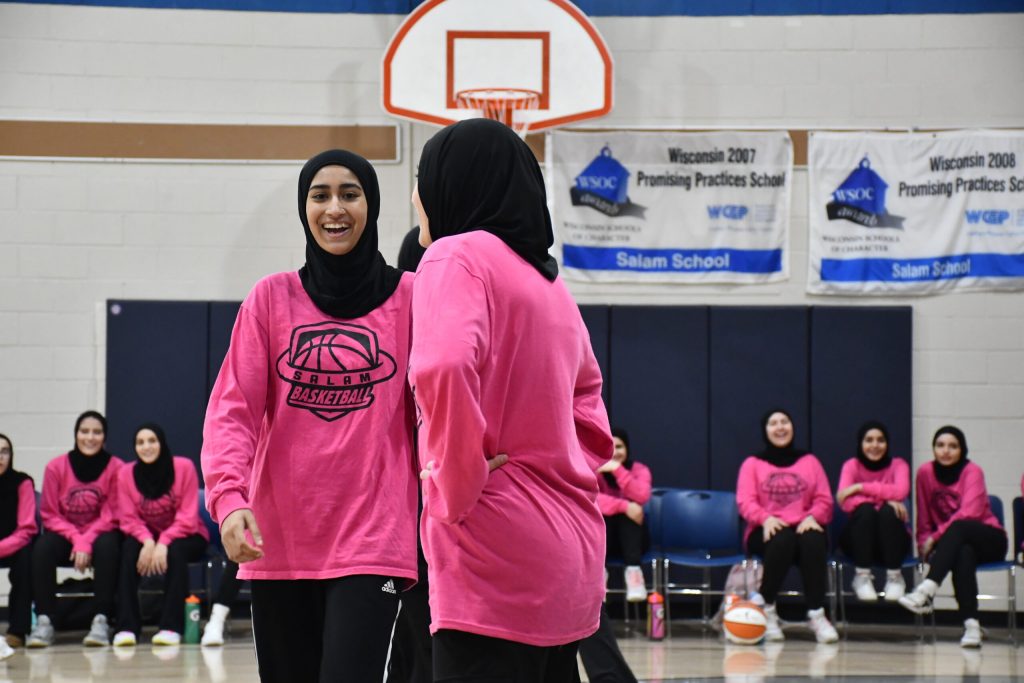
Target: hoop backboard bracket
x: 447, y: 48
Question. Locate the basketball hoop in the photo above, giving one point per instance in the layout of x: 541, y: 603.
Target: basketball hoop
x: 501, y: 104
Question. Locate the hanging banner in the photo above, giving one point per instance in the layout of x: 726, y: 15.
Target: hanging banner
x: 671, y: 207
x: 916, y: 213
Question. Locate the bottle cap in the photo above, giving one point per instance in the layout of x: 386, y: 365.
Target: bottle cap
x: 192, y: 600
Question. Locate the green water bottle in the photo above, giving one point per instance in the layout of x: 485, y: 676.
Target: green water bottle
x: 192, y: 619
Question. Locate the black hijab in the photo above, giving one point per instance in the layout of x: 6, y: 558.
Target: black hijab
x: 949, y: 474
x: 157, y: 478
x: 627, y: 463
x: 89, y: 467
x: 410, y: 253
x: 479, y: 175
x: 352, y: 285
x: 10, y: 481
x: 868, y: 463
x: 780, y: 457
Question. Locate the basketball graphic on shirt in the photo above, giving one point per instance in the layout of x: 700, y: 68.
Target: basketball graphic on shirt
x: 784, y: 488
x: 946, y: 502
x: 82, y: 505
x: 158, y: 513
x: 332, y: 367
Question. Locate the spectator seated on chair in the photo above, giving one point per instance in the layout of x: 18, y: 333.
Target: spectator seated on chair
x: 17, y: 531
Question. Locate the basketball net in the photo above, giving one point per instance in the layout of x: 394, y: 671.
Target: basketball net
x: 501, y: 104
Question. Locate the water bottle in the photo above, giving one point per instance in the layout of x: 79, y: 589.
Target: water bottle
x: 191, y: 619
x: 655, y: 616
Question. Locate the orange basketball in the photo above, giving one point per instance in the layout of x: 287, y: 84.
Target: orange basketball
x: 744, y: 623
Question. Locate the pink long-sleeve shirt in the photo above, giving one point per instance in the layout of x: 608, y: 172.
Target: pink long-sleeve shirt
x: 172, y: 516
x: 789, y: 493
x: 939, y: 505
x: 310, y: 426
x: 881, y: 486
x: 26, y: 529
x: 634, y: 487
x: 79, y: 511
x: 502, y: 363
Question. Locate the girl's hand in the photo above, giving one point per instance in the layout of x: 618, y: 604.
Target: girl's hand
x: 635, y: 512
x: 81, y: 560
x: 144, y: 565
x: 926, y: 548
x: 843, y: 494
x: 232, y: 533
x: 901, y: 510
x: 609, y: 466
x: 160, y: 559
x: 772, y: 526
x: 809, y: 524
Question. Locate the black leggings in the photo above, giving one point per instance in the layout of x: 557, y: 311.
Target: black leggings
x: 966, y: 544
x: 323, y: 631
x: 602, y: 657
x: 227, y: 591
x: 808, y: 550
x: 875, y: 537
x: 51, y: 550
x: 172, y: 615
x: 626, y: 539
x: 461, y: 657
x: 19, y: 602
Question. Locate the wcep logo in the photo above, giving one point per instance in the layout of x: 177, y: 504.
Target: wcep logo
x: 860, y: 199
x: 604, y: 186
x: 986, y: 216
x: 733, y: 212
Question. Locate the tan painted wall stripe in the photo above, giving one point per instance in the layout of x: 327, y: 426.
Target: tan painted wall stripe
x: 191, y: 141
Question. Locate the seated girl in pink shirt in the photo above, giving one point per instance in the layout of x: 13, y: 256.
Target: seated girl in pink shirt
x: 872, y: 488
x: 956, y: 529
x: 784, y: 496
x: 159, y: 515
x: 624, y: 488
x: 17, y: 531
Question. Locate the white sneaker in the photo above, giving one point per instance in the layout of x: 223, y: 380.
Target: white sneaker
x: 864, y: 586
x: 972, y: 634
x: 42, y: 633
x: 124, y: 639
x: 772, y: 628
x: 895, y: 586
x: 920, y: 600
x: 99, y: 632
x: 824, y: 631
x: 213, y: 634
x: 165, y: 637
x: 636, y: 588
x: 5, y: 649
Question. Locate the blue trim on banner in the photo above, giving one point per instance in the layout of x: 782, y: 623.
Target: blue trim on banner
x: 922, y: 269
x: 672, y: 260
x: 593, y: 8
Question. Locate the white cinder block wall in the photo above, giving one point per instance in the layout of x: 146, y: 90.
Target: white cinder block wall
x: 75, y: 233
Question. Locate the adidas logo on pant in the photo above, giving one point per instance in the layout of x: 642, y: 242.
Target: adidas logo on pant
x: 389, y: 587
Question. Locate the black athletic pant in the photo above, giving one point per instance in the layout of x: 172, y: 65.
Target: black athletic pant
x: 411, y: 648
x: 875, y: 538
x: 227, y: 591
x: 172, y: 615
x: 809, y: 551
x: 966, y: 544
x: 19, y: 602
x: 602, y: 657
x: 461, y: 657
x: 323, y: 631
x: 51, y: 550
x: 626, y: 538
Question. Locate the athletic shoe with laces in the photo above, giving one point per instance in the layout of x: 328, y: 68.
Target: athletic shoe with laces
x: 895, y: 586
x: 919, y: 601
x: 972, y: 634
x: 99, y: 632
x: 824, y: 631
x: 636, y: 589
x: 5, y: 649
x: 864, y: 586
x: 165, y: 637
x: 772, y: 628
x: 124, y: 639
x: 42, y: 633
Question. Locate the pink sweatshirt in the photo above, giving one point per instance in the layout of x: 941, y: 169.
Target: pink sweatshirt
x: 310, y: 426
x: 502, y: 363
x: 634, y: 486
x: 891, y: 483
x: 789, y: 493
x: 79, y: 511
x: 172, y: 516
x: 938, y: 505
x: 26, y: 529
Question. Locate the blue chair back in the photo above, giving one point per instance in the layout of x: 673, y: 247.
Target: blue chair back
x: 1018, y: 525
x: 996, y: 503
x: 700, y: 520
x: 652, y: 516
x: 215, y: 543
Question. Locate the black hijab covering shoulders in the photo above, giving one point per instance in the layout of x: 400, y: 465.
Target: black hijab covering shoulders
x: 780, y: 457
x: 352, y: 285
x: 868, y: 463
x: 88, y: 468
x: 479, y: 175
x: 157, y: 478
x: 950, y: 474
x: 10, y: 482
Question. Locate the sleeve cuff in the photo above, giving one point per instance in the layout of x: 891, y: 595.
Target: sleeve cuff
x: 227, y: 503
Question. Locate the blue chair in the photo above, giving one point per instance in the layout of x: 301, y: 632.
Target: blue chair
x: 699, y: 530
x: 1018, y: 529
x: 652, y: 517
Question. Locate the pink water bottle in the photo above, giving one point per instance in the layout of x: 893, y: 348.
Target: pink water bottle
x: 655, y: 616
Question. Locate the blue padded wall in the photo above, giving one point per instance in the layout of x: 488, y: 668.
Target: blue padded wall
x: 596, y: 318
